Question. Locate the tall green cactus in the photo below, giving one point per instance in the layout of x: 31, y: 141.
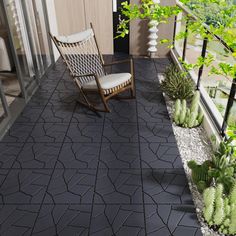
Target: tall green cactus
x: 188, y: 117
x: 219, y: 209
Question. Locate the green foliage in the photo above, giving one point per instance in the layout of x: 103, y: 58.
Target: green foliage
x: 219, y: 210
x: 200, y: 175
x: 188, y: 117
x: 145, y: 10
x: 177, y: 85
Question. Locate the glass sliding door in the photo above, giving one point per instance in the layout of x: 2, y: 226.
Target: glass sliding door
x: 38, y: 33
x: 20, y: 43
x: 28, y: 29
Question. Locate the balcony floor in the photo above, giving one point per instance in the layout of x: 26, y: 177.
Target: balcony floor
x: 65, y: 171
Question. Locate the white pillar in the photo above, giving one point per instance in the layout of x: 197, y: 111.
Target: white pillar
x: 152, y: 43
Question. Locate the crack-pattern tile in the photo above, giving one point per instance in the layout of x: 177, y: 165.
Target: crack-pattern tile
x: 64, y: 98
x: 169, y: 220
x: 17, y: 220
x: 120, y: 156
x: 166, y: 186
x: 147, y: 85
x: 122, y: 111
x: 84, y: 132
x: 156, y: 114
x: 79, y: 156
x: 67, y: 86
x: 29, y: 115
x: 120, y: 132
x: 18, y: 133
x: 24, y: 186
x: 38, y: 156
x: 119, y: 220
x: 8, y: 153
x: 160, y: 155
x: 83, y: 114
x: 57, y: 114
x: 150, y: 99
x: 156, y: 133
x: 48, y: 132
x: 63, y: 220
x: 118, y: 187
x: 3, y: 175
x: 71, y: 186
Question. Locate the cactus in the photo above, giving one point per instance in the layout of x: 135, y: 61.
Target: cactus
x: 220, y: 210
x: 209, y: 200
x: 188, y: 117
x: 232, y: 225
x: 200, y: 175
x: 219, y: 213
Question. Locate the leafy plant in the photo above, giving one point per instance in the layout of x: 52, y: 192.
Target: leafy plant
x: 219, y: 209
x: 188, y: 117
x: 200, y: 174
x: 177, y: 85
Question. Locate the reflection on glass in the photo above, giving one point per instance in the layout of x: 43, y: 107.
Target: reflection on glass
x: 180, y: 27
x: 38, y: 34
x: 19, y: 37
x: 217, y: 86
x: 232, y: 115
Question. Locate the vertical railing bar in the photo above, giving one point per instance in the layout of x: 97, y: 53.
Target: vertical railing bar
x: 175, y: 27
x: 185, y: 40
x: 229, y: 106
x: 203, y: 55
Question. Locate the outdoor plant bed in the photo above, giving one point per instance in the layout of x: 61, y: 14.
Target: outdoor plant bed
x: 193, y: 144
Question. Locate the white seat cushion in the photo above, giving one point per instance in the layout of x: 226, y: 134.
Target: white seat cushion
x: 108, y: 81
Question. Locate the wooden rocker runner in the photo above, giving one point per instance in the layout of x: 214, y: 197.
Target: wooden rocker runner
x: 81, y: 54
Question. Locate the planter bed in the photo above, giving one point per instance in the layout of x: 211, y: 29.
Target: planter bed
x: 193, y: 144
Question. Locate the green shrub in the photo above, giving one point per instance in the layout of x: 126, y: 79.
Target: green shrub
x: 177, y: 85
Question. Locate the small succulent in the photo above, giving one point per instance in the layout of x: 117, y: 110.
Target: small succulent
x: 177, y: 84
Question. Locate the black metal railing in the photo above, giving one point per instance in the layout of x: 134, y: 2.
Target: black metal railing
x: 229, y: 92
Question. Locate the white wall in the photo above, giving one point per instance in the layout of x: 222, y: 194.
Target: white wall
x: 53, y: 24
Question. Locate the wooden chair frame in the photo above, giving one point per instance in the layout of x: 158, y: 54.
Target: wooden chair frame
x: 105, y: 96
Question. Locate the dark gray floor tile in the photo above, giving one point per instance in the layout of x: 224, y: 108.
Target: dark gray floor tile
x: 84, y: 132
x: 18, y: 133
x: 119, y: 220
x: 71, y: 186
x: 64, y: 98
x: 161, y: 64
x: 156, y: 133
x: 122, y: 111
x: 3, y: 175
x: 30, y: 115
x: 150, y: 99
x: 120, y: 155
x: 79, y: 156
x: 160, y: 155
x: 38, y: 156
x: 166, y: 186
x: 17, y: 220
x: 8, y: 153
x: 147, y: 85
x: 83, y: 114
x: 118, y: 187
x: 48, y: 132
x: 120, y: 132
x: 57, y: 114
x: 157, y: 114
x: 24, y: 186
x: 67, y: 86
x: 63, y: 220
x: 48, y: 86
x: 170, y: 220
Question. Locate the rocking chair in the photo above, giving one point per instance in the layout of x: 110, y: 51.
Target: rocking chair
x: 81, y: 54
